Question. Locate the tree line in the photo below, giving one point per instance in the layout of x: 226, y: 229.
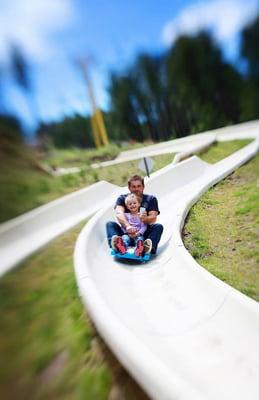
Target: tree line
x: 187, y: 89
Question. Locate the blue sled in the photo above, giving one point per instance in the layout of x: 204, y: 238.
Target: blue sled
x: 130, y: 255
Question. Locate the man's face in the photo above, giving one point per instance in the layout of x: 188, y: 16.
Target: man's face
x: 137, y: 188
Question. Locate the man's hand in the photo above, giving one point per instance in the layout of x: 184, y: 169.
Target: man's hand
x: 149, y: 218
x: 143, y: 216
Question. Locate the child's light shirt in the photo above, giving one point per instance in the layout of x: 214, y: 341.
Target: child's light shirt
x: 134, y: 221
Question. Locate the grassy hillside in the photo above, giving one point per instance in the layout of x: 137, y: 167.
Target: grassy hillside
x: 222, y: 229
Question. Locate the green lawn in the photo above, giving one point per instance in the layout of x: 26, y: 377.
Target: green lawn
x: 222, y: 230
x: 221, y: 150
x: 75, y: 157
x: 49, y: 349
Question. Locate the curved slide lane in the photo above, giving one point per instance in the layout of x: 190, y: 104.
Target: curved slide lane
x: 180, y: 332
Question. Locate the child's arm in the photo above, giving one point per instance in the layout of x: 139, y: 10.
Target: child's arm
x: 132, y: 230
x: 143, y: 229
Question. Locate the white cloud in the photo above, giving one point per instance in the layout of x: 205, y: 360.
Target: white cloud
x: 32, y: 24
x: 224, y: 18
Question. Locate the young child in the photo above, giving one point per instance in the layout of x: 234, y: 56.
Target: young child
x: 121, y: 243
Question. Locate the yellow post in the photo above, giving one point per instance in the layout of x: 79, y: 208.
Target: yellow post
x: 97, y: 122
x: 101, y: 126
x: 96, y: 137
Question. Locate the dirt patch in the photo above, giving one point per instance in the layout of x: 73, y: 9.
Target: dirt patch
x: 54, y: 368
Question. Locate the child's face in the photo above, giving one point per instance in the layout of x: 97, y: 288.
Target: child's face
x: 133, y: 205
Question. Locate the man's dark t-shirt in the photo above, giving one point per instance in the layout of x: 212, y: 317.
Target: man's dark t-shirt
x: 149, y: 202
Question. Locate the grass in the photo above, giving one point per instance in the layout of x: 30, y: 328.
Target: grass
x: 78, y: 157
x: 75, y: 157
x: 222, y: 230
x: 47, y: 344
x: 49, y: 349
x: 220, y: 150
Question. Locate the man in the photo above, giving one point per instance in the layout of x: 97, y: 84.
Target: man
x: 148, y: 215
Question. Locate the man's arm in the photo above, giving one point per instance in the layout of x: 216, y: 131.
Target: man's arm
x: 119, y: 212
x: 149, y: 218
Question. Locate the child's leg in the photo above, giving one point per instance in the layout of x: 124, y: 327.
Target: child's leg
x: 126, y: 240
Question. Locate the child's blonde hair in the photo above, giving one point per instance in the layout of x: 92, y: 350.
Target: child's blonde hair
x: 131, y: 196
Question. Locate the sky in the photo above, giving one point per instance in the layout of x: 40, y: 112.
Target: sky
x: 55, y: 34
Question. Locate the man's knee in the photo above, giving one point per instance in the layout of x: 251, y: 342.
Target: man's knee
x: 158, y: 228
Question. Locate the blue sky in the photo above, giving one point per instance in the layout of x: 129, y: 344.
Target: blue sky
x: 54, y: 34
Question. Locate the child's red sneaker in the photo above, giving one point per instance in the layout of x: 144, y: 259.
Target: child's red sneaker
x: 120, y: 246
x: 139, y: 248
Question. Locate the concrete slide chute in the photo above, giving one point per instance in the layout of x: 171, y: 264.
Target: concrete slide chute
x: 25, y: 234
x: 186, y: 145
x: 180, y: 332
